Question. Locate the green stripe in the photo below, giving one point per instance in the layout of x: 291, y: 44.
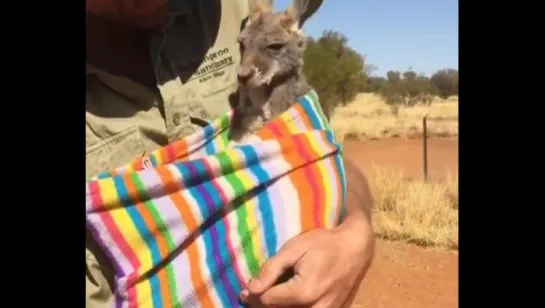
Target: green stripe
x: 313, y: 96
x: 164, y: 231
x: 242, y: 216
x: 225, y: 133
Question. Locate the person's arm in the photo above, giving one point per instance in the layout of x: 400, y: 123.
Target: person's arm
x: 359, y: 200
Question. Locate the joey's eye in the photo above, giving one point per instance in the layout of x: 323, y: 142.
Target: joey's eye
x: 276, y: 46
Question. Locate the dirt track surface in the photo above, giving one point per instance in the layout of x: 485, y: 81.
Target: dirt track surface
x: 402, y: 275
x: 406, y: 154
x: 410, y: 277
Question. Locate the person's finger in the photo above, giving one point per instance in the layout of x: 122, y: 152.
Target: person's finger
x: 273, y: 268
x: 293, y: 293
x: 244, y: 295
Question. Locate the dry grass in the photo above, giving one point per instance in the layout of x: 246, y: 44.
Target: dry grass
x: 369, y: 117
x: 406, y: 210
x: 413, y: 211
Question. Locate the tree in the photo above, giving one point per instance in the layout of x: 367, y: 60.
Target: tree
x: 446, y: 82
x: 394, y: 77
x: 376, y: 84
x: 338, y: 72
x: 409, y: 76
x: 410, y: 88
x: 369, y: 69
x: 333, y: 69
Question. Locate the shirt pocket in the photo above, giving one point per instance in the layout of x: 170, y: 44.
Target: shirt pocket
x: 114, y: 151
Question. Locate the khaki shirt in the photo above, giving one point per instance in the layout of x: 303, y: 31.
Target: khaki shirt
x: 195, y: 56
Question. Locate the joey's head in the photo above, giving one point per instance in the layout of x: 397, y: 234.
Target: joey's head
x: 272, y: 44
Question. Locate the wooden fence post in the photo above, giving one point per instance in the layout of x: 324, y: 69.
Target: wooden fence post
x: 425, y: 146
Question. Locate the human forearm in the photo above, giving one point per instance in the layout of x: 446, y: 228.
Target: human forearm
x: 359, y: 200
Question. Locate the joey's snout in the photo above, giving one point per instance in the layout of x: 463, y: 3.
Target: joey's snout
x: 245, y: 73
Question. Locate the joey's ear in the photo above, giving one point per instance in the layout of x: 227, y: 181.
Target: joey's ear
x: 259, y: 6
x: 301, y: 10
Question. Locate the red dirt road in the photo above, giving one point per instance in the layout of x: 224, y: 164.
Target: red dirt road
x: 407, y: 276
x: 406, y: 154
x: 402, y: 275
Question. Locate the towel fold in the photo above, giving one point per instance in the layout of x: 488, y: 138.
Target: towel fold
x: 189, y: 224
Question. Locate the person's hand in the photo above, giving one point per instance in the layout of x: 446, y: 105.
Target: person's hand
x: 328, y: 267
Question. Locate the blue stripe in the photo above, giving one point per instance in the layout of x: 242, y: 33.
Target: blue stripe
x: 311, y: 113
x: 190, y: 174
x: 264, y: 201
x: 104, y: 175
x: 153, y: 160
x: 230, y: 280
x: 209, y: 134
x: 145, y: 235
x: 312, y: 96
x: 339, y: 166
x: 340, y: 169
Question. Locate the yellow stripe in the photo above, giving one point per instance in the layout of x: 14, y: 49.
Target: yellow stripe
x: 333, y: 182
x: 127, y: 229
x: 159, y: 159
x: 144, y: 299
x: 325, y: 182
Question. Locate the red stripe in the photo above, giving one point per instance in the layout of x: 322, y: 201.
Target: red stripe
x: 171, y: 155
x: 311, y: 177
x: 274, y: 129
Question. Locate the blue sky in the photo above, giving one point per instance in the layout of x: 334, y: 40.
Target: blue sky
x: 393, y: 34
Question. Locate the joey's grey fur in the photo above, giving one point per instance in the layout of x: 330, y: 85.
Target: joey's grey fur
x: 270, y: 73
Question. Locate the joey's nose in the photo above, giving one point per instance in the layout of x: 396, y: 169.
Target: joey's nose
x: 245, y: 74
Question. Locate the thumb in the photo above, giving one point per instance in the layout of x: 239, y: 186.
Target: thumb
x: 273, y: 268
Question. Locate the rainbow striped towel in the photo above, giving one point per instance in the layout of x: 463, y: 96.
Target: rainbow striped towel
x: 188, y: 225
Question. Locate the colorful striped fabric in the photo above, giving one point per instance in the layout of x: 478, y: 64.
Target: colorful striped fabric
x: 188, y: 225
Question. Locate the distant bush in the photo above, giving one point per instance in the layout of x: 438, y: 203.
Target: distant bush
x: 338, y: 73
